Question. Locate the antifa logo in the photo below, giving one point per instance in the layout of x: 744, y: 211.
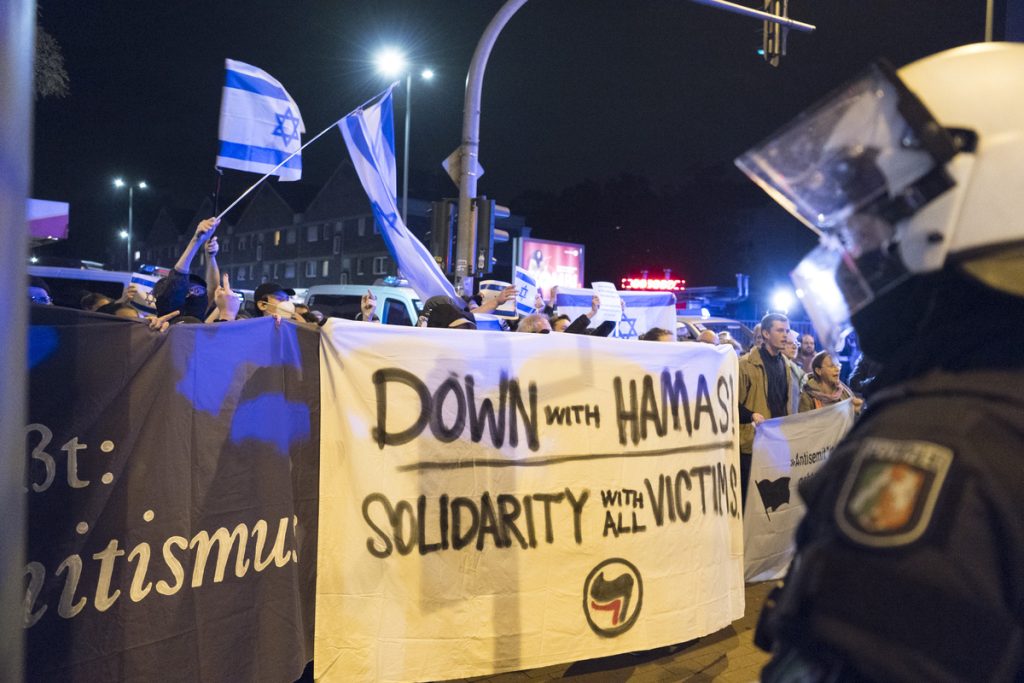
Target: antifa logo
x: 612, y: 605
x: 774, y: 493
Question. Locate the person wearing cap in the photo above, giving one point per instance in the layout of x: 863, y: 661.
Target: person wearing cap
x: 442, y: 311
x: 273, y: 299
x: 182, y: 291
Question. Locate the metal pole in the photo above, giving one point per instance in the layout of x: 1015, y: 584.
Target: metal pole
x: 757, y: 14
x: 131, y: 203
x: 405, y: 160
x: 17, y: 48
x: 469, y: 150
x: 989, y: 13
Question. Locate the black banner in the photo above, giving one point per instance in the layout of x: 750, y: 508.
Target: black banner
x: 172, y: 488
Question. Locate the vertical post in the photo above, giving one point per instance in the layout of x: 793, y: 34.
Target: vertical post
x: 469, y: 150
x: 131, y: 204
x: 17, y: 47
x: 405, y: 160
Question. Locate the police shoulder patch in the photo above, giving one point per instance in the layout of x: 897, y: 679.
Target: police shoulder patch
x: 890, y: 491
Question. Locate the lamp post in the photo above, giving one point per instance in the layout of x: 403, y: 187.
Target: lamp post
x: 127, y: 235
x: 391, y: 63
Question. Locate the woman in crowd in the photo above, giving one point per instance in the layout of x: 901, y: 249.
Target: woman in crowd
x: 822, y: 387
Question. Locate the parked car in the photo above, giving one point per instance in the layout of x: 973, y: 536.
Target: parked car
x: 395, y: 305
x: 688, y: 327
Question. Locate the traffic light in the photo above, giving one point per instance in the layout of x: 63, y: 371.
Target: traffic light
x: 773, y: 43
x: 443, y: 226
x: 487, y: 211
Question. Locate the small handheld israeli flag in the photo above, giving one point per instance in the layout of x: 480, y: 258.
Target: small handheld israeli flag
x: 490, y: 289
x: 369, y: 134
x: 260, y: 124
x: 526, y: 292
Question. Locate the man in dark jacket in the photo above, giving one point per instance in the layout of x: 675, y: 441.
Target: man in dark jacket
x: 910, y: 560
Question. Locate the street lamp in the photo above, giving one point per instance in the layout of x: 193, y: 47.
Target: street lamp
x: 392, y: 63
x: 127, y: 234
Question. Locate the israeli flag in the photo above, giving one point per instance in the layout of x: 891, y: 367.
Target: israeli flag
x: 526, y: 292
x: 369, y: 134
x: 260, y: 124
x: 640, y: 311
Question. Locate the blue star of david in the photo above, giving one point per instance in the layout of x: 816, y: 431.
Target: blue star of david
x: 631, y: 332
x: 287, y: 127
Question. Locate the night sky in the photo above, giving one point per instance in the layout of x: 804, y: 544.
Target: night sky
x: 609, y: 122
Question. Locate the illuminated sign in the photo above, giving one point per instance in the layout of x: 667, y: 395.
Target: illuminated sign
x: 658, y: 284
x: 47, y: 220
x: 551, y: 263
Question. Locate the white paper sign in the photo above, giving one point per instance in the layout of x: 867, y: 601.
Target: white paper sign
x: 611, y: 304
x: 494, y: 502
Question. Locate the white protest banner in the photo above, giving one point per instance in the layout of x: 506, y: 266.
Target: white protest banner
x: 786, y: 450
x: 643, y: 310
x: 493, y: 502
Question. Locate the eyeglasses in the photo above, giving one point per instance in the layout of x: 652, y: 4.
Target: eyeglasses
x: 40, y: 299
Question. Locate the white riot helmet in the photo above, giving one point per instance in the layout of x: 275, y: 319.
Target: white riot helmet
x: 901, y: 173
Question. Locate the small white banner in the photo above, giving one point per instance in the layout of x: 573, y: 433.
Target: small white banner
x: 786, y: 450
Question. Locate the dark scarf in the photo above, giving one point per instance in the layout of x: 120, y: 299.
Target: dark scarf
x: 944, y: 320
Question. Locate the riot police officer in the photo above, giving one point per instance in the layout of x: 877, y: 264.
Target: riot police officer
x: 910, y: 560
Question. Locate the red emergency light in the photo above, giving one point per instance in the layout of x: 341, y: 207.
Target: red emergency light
x: 657, y: 284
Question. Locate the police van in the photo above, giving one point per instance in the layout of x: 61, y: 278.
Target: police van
x: 395, y: 305
x: 68, y: 285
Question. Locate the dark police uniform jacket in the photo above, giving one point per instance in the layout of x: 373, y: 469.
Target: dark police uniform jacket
x: 910, y: 560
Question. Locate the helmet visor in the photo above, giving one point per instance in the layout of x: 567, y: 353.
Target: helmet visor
x: 851, y: 168
x: 868, y: 142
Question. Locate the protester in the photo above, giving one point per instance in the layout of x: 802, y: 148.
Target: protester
x: 368, y: 308
x: 580, y: 324
x: 822, y: 386
x: 657, y: 334
x: 725, y: 338
x: 120, y: 310
x: 39, y: 291
x: 449, y: 315
x: 274, y: 300
x: 806, y: 353
x: 909, y: 558
x: 182, y: 291
x: 93, y: 301
x: 707, y: 336
x: 796, y: 373
x: 559, y: 323
x: 535, y: 323
x: 226, y: 302
x: 765, y: 388
x: 490, y: 302
x: 756, y: 339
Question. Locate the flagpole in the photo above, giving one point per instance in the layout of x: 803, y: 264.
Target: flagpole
x: 274, y: 170
x: 296, y: 152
